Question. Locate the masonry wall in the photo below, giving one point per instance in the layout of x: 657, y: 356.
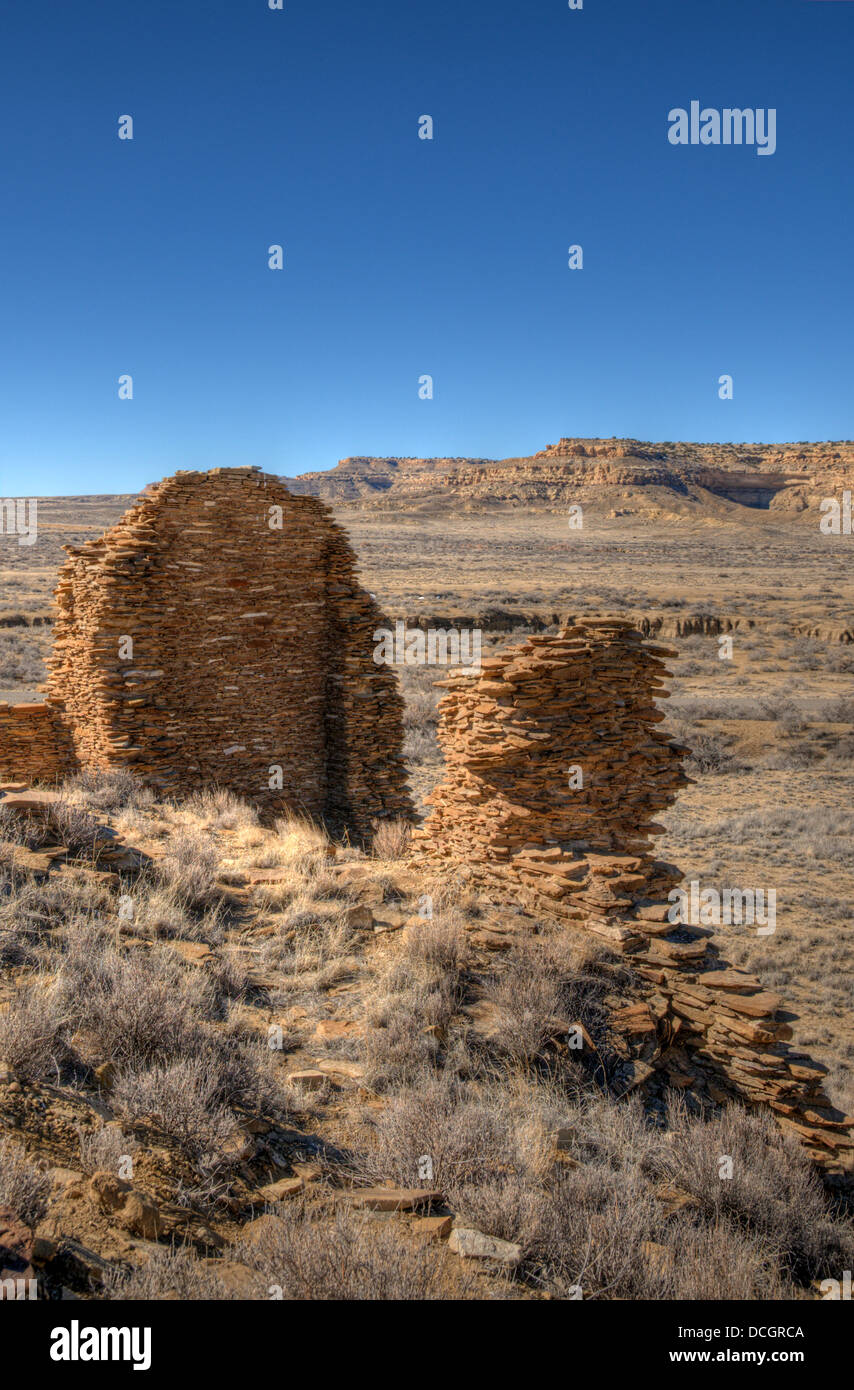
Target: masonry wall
x: 514, y: 739
x: 34, y: 744
x: 218, y: 635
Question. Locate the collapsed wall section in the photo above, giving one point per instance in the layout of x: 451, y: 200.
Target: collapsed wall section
x: 555, y: 773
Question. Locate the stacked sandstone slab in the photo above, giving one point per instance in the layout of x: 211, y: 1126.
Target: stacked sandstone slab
x: 251, y: 652
x: 514, y: 810
x: 34, y: 743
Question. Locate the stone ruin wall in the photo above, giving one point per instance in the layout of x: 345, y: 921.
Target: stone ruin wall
x: 35, y: 745
x: 584, y: 855
x: 251, y: 650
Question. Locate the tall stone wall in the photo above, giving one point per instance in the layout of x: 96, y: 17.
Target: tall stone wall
x: 218, y: 635
x: 555, y: 773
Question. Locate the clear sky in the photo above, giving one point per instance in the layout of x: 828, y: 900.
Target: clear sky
x: 405, y: 257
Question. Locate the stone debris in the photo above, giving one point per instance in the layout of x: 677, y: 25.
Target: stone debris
x: 16, y: 1247
x: 474, y: 1245
x: 392, y: 1198
x: 134, y: 1211
x: 283, y: 1189
x: 218, y: 635
x: 310, y: 1079
x: 432, y: 1227
x: 555, y: 772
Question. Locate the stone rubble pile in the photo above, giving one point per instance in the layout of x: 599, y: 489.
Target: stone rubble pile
x: 555, y: 772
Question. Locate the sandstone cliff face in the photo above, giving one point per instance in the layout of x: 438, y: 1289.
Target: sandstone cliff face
x: 368, y: 478
x: 218, y: 635
x: 782, y: 476
x: 555, y: 773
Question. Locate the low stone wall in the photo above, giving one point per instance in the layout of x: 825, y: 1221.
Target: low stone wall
x: 555, y: 772
x: 34, y: 744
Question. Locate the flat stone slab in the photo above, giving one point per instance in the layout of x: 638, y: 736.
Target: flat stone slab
x: 474, y: 1245
x: 30, y: 803
x: 283, y: 1189
x: 392, y: 1198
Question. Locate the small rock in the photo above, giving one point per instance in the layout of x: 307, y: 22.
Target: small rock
x: 432, y: 1227
x: 630, y: 1076
x: 105, y: 1075
x: 389, y: 919
x: 338, y: 1066
x: 63, y: 1177
x: 16, y: 1247
x: 193, y: 952
x: 331, y: 1028
x: 239, y: 1147
x: 474, y: 1245
x: 140, y: 1216
x: 392, y: 1198
x: 283, y: 1189
x: 490, y: 940
x: 108, y: 1192
x: 310, y: 1080
x: 360, y: 918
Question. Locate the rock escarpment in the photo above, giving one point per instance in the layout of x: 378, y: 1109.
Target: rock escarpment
x: 555, y: 773
x: 778, y: 477
x: 218, y: 635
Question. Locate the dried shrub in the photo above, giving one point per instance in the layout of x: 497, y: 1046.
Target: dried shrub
x: 110, y: 789
x: 133, y: 1010
x: 105, y: 1149
x: 175, y: 1274
x: 23, y: 1186
x: 189, y: 866
x: 349, y: 1258
x: 181, y: 1099
x: 391, y: 838
x: 34, y: 1033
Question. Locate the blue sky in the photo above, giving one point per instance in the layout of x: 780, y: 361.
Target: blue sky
x: 406, y: 257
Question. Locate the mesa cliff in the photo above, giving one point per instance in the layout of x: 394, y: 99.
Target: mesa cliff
x: 781, y: 477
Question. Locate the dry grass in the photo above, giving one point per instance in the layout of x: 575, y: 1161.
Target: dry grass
x: 23, y: 1186
x: 306, y: 1254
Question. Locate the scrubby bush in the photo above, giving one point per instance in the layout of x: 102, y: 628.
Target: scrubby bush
x: 348, y: 1258
x: 180, y: 1098
x: 34, y: 1033
x: 175, y: 1274
x: 23, y: 1186
x: 391, y: 838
